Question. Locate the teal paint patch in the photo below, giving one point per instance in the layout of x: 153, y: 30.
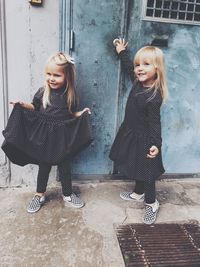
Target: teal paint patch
x: 95, y: 24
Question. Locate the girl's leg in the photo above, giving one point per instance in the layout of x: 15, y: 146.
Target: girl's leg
x: 42, y: 180
x: 150, y: 191
x: 139, y: 187
x: 64, y: 169
x: 151, y: 204
x: 69, y: 197
x: 137, y: 195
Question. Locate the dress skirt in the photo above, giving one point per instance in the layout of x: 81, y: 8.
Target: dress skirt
x: 35, y: 137
x: 129, y: 152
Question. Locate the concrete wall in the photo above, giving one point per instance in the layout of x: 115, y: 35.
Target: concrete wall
x: 29, y: 34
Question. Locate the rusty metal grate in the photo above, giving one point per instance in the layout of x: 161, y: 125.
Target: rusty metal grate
x: 160, y: 245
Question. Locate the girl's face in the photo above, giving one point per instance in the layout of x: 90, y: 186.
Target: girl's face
x: 55, y: 76
x: 145, y: 72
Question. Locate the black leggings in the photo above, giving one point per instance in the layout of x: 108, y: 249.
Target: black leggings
x: 64, y: 169
x: 148, y: 188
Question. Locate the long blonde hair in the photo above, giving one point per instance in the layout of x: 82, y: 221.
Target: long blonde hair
x: 156, y: 57
x: 67, y: 63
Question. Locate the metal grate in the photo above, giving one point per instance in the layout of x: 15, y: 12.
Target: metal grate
x: 176, y: 11
x: 160, y: 245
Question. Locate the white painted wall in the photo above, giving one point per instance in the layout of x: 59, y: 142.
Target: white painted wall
x: 32, y: 34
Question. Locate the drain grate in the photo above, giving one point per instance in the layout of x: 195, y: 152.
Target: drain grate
x: 160, y: 245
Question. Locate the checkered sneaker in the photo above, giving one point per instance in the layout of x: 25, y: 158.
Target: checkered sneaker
x: 74, y: 201
x: 36, y: 203
x: 150, y: 214
x: 127, y: 196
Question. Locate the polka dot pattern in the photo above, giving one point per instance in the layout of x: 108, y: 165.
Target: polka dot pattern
x: 34, y: 137
x: 140, y: 130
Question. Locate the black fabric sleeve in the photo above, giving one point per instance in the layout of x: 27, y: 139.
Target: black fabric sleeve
x: 127, y: 64
x: 37, y: 99
x: 154, y: 122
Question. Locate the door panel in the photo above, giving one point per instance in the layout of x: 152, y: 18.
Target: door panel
x: 95, y: 24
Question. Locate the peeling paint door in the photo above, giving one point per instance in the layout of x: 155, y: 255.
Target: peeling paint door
x: 88, y: 28
x: 92, y: 25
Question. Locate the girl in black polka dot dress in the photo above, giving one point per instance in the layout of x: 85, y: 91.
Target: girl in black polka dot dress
x: 136, y: 150
x: 50, y: 130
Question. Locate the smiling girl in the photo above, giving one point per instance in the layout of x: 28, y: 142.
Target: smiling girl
x: 136, y: 150
x: 49, y: 131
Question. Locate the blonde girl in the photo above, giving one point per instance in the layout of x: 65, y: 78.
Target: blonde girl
x: 136, y: 150
x: 54, y: 131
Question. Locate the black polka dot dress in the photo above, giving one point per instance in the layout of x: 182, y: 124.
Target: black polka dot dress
x: 140, y: 130
x: 48, y: 135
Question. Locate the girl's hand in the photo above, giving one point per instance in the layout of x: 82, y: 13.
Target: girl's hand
x: 120, y: 44
x: 16, y: 102
x: 153, y: 152
x: 25, y: 105
x: 79, y: 113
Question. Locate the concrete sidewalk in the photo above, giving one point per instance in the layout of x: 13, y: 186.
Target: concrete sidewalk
x: 61, y: 236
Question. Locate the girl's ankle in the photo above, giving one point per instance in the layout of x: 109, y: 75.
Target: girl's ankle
x: 39, y: 194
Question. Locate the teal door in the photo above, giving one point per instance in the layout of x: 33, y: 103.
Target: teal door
x: 87, y: 30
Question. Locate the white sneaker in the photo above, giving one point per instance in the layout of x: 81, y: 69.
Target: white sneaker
x: 36, y: 203
x: 74, y: 201
x: 150, y: 213
x: 132, y: 196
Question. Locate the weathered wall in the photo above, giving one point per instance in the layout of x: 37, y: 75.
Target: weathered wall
x: 31, y: 35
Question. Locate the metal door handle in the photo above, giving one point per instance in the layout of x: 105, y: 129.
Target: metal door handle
x: 71, y: 42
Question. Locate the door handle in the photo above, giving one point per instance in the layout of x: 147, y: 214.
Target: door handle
x: 71, y: 40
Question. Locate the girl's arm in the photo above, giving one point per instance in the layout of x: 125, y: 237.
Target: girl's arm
x: 154, y: 126
x: 37, y: 101
x: 127, y: 64
x: 23, y: 104
x: 79, y: 113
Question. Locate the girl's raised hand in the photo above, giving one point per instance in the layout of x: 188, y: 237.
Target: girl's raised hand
x: 120, y: 44
x: 153, y: 152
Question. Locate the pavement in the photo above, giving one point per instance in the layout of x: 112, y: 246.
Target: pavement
x: 62, y: 236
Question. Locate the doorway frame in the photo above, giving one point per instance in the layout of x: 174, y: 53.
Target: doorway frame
x: 5, y: 166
